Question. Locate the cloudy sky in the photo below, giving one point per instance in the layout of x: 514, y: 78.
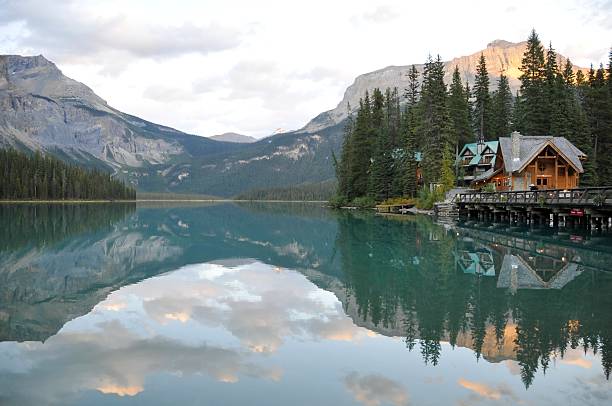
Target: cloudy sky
x: 208, y: 67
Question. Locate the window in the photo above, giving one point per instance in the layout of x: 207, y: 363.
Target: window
x: 539, y: 182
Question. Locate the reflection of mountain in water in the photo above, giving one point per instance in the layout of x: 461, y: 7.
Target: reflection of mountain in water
x: 85, y: 252
x: 409, y: 278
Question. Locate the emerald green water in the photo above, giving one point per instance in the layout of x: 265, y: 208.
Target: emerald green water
x: 294, y: 304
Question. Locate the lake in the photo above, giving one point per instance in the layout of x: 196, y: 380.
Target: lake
x: 294, y: 304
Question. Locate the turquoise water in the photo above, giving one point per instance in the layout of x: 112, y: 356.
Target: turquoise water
x: 293, y: 304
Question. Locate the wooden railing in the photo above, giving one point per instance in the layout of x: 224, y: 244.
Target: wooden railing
x: 588, y: 196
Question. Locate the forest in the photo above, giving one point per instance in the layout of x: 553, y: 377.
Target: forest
x: 38, y: 177
x: 429, y: 119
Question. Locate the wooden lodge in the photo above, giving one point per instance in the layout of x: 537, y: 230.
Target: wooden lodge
x: 532, y: 162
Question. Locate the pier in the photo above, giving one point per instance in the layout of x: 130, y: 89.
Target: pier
x: 589, y: 207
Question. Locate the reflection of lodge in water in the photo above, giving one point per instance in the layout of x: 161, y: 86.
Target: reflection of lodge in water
x: 519, y: 270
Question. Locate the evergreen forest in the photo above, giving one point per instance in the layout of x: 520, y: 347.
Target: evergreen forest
x: 38, y: 177
x: 393, y: 132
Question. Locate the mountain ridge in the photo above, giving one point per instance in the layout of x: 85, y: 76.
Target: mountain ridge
x: 41, y: 109
x: 233, y: 137
x: 501, y: 55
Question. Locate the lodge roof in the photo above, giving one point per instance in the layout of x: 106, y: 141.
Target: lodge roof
x: 531, y: 146
x: 477, y: 157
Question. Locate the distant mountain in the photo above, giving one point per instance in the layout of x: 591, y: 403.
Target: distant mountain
x: 234, y: 137
x: 501, y: 56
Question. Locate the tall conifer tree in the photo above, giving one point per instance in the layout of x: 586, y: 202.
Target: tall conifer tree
x: 482, y: 103
x: 502, y: 108
x: 436, y: 122
x: 458, y: 107
x: 533, y: 98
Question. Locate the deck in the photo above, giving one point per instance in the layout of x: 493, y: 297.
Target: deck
x: 589, y: 206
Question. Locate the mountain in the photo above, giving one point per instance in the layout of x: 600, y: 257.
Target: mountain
x: 41, y: 109
x: 233, y: 137
x: 501, y: 56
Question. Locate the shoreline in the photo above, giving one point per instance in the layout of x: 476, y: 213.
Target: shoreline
x: 157, y: 200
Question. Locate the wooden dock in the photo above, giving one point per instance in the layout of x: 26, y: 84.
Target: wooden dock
x: 394, y: 208
x: 580, y: 207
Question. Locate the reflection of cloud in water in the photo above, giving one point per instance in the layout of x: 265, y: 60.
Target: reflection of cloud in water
x: 152, y: 327
x: 113, y: 359
x: 484, y: 391
x: 255, y: 304
x: 375, y: 390
x: 575, y: 356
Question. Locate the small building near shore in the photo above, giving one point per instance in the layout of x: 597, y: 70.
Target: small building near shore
x: 475, y: 160
x: 543, y: 162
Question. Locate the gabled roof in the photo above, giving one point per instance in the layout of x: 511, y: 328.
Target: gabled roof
x: 473, y: 148
x: 531, y: 146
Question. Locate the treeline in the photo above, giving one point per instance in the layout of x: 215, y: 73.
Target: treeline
x: 382, y: 140
x: 321, y: 191
x: 39, y: 177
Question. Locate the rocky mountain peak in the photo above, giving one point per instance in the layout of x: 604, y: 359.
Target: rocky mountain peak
x: 500, y: 43
x: 501, y: 55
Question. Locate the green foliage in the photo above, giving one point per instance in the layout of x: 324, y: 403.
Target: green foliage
x: 482, y: 106
x: 427, y: 198
x: 41, y: 177
x: 447, y: 177
x: 488, y: 188
x: 533, y: 97
x: 364, y: 202
x: 338, y: 201
x: 399, y: 200
x: 436, y: 128
x: 502, y: 105
x: 459, y: 111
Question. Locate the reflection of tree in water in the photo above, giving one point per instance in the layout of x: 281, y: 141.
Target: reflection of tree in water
x: 402, y: 275
x: 45, y: 224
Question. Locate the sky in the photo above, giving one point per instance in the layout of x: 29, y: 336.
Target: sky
x: 252, y: 67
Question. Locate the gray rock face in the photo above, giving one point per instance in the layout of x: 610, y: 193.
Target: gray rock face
x: 41, y: 109
x: 501, y: 56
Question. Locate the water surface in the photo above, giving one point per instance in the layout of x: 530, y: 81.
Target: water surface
x: 277, y: 304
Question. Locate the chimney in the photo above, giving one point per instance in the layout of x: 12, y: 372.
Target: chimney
x: 515, y: 138
x: 480, y: 146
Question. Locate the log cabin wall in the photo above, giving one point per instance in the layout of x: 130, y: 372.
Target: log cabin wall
x: 548, y: 170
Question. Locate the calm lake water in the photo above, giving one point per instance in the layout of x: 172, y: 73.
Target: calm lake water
x: 293, y: 304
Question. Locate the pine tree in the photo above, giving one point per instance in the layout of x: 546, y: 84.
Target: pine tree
x: 377, y: 131
x: 410, y: 126
x: 598, y: 106
x: 343, y: 166
x: 610, y: 72
x: 482, y: 104
x: 436, y: 122
x: 502, y: 104
x: 360, y: 152
x: 533, y: 100
x: 553, y: 92
x: 411, y: 93
x: 458, y: 107
x: 447, y: 171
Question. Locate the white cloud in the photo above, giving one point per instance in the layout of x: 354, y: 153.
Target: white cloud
x: 251, y: 67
